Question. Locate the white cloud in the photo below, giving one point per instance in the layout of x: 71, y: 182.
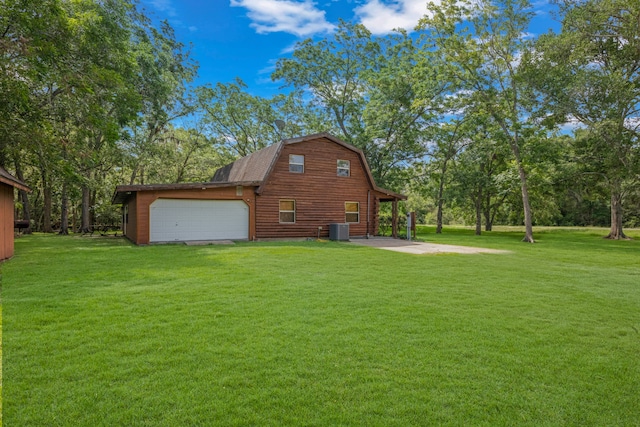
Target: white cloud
x: 571, y: 125
x: 301, y: 18
x: 382, y: 17
x: 269, y: 68
x: 164, y: 6
x: 289, y: 49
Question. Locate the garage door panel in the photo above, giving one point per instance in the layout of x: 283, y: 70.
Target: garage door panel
x: 184, y: 220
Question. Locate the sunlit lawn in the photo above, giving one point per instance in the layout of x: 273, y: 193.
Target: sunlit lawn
x: 98, y: 332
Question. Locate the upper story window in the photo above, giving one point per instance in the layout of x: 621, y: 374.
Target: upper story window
x: 344, y: 168
x: 296, y: 163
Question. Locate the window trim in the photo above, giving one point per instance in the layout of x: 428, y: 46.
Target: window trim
x: 346, y: 213
x: 292, y: 163
x: 281, y: 211
x: 343, y: 168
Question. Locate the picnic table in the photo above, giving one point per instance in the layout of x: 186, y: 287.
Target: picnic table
x: 21, y: 224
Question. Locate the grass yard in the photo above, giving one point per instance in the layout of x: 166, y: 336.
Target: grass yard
x: 98, y: 332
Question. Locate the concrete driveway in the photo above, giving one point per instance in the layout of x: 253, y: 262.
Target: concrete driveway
x: 420, y: 248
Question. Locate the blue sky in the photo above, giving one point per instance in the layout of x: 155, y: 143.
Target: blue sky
x: 244, y: 38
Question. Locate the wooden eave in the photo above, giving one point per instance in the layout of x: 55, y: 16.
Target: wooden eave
x: 388, y: 196
x: 7, y: 178
x: 123, y: 192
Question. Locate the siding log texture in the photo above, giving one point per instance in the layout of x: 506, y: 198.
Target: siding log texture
x: 6, y: 223
x: 130, y: 228
x: 319, y: 192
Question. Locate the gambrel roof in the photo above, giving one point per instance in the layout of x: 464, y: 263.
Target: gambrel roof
x: 259, y: 165
x: 254, y: 170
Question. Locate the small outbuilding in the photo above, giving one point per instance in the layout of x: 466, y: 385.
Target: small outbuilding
x: 295, y: 188
x: 7, y: 183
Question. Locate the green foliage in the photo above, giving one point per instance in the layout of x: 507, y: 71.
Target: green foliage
x: 481, y: 44
x: 95, y: 94
x: 376, y: 95
x: 589, y: 73
x: 242, y: 122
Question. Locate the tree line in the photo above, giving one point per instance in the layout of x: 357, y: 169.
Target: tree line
x: 476, y: 119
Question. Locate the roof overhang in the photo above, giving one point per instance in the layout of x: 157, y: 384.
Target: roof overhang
x: 123, y: 192
x: 389, y: 196
x: 7, y: 178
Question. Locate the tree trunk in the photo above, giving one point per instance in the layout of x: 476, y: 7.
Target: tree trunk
x: 439, y: 214
x: 46, y: 214
x: 441, y: 198
x: 64, y: 210
x: 488, y: 221
x: 528, y: 222
x: 478, y: 203
x: 134, y: 173
x: 616, y: 232
x: 24, y: 199
x: 85, y: 226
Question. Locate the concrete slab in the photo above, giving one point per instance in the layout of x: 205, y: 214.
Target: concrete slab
x: 419, y: 248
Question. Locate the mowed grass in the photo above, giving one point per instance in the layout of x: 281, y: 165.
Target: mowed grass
x: 98, y: 332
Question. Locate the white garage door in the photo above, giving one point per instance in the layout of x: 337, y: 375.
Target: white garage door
x: 183, y: 220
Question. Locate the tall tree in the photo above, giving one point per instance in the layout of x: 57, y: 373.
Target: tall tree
x: 238, y: 120
x: 447, y: 141
x: 331, y: 69
x: 165, y: 70
x: 376, y: 92
x: 482, y: 42
x: 590, y: 73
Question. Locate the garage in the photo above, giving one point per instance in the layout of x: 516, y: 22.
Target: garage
x: 174, y: 220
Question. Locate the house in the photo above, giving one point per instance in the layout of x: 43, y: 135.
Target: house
x: 294, y: 188
x: 7, y: 184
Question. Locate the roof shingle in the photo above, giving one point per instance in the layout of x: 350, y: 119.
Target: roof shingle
x: 253, y: 167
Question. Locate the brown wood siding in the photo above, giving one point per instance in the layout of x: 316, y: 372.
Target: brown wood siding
x: 144, y: 200
x: 6, y: 221
x: 319, y: 193
x: 131, y: 226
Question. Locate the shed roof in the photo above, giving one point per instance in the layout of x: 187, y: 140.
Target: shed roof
x: 11, y: 180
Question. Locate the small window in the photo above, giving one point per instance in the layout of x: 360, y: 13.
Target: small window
x: 287, y: 211
x: 296, y: 163
x: 238, y: 190
x: 352, y: 211
x: 344, y: 168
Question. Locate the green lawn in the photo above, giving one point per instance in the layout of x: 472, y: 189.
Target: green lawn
x: 98, y: 332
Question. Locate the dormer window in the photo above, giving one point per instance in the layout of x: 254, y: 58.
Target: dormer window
x: 296, y: 163
x: 344, y: 168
